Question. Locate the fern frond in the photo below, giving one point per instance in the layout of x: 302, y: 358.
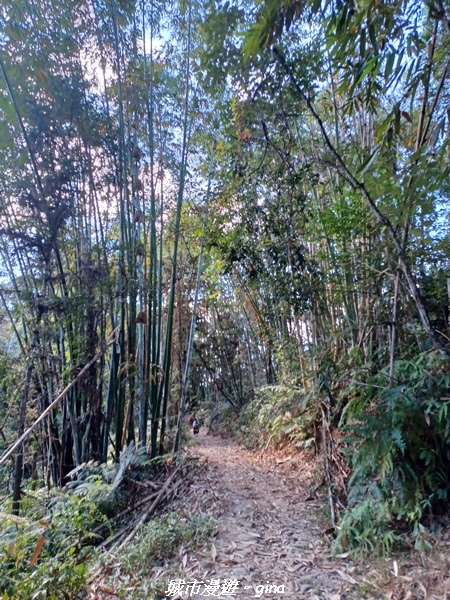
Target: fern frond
x: 398, y: 439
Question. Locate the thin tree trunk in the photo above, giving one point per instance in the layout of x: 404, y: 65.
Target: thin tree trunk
x: 17, y: 491
x: 168, y: 344
x: 394, y: 329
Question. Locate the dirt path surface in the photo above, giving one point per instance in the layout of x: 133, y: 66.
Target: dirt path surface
x: 270, y: 543
x: 269, y: 537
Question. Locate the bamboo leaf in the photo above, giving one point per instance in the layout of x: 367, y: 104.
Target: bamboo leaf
x: 37, y: 551
x: 381, y: 130
x: 368, y: 162
x: 389, y: 65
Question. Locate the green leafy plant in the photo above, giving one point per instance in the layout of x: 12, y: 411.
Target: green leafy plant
x: 44, y: 558
x: 279, y: 415
x: 398, y: 443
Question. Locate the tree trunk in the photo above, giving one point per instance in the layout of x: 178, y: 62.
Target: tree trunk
x: 17, y: 491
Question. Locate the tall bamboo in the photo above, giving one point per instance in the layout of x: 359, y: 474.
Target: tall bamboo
x: 163, y: 396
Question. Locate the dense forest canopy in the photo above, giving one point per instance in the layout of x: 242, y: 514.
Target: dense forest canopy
x: 225, y: 207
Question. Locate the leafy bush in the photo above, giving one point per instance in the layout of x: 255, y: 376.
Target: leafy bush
x: 398, y: 444
x: 279, y: 415
x: 219, y: 418
x: 39, y: 559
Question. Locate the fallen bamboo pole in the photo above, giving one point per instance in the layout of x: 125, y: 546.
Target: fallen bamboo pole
x: 154, y: 505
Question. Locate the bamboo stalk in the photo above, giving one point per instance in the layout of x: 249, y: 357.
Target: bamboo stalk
x: 163, y: 398
x: 47, y: 411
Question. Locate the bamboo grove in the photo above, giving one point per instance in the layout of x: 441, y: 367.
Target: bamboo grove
x: 97, y: 148
x: 201, y: 201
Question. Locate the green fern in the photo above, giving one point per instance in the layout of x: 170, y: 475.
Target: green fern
x: 398, y: 442
x: 398, y: 439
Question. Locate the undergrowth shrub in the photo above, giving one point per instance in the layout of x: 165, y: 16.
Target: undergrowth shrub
x: 160, y: 539
x: 43, y: 552
x: 221, y: 419
x: 40, y: 554
x: 398, y: 445
x: 277, y: 416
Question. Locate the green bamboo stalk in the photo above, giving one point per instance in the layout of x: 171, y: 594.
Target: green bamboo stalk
x: 149, y: 397
x: 124, y: 243
x: 164, y: 390
x: 185, y: 383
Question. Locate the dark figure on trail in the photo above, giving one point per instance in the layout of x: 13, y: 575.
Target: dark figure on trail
x: 195, y: 427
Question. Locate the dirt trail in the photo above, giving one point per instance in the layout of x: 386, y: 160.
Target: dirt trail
x: 269, y: 532
x: 270, y: 542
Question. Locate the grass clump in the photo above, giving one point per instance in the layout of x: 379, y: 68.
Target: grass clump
x: 159, y: 541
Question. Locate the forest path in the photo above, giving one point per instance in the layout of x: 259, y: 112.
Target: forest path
x: 269, y: 533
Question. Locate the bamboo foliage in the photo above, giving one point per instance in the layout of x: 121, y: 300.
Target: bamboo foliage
x: 85, y: 240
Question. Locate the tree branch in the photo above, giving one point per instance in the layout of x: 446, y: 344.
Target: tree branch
x: 380, y: 218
